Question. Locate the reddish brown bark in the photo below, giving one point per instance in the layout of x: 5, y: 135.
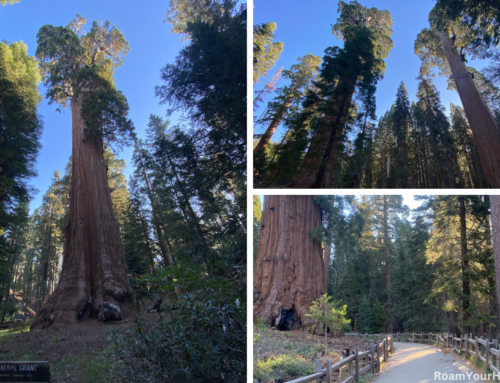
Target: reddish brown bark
x: 289, y: 268
x: 94, y: 280
x: 484, y: 128
x: 319, y: 163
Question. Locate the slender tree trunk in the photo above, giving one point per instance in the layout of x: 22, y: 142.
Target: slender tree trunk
x: 387, y: 254
x: 495, y: 229
x: 319, y: 163
x: 268, y: 134
x: 156, y: 220
x: 484, y: 128
x: 94, y: 280
x: 465, y: 264
x: 289, y: 266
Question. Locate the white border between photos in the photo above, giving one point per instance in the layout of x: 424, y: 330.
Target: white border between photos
x: 249, y: 192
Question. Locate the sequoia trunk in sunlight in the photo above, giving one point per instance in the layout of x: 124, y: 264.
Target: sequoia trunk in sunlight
x: 289, y: 270
x: 268, y: 134
x: 387, y: 261
x: 319, y: 163
x: 482, y: 123
x: 94, y: 280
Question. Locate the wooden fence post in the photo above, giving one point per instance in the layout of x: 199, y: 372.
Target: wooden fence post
x: 350, y: 363
x: 328, y: 371
x: 494, y: 357
x: 378, y: 357
x: 318, y: 369
x: 413, y: 337
x: 466, y: 345
x: 372, y: 350
x: 356, y: 370
x: 385, y: 350
x: 487, y: 355
x: 477, y: 348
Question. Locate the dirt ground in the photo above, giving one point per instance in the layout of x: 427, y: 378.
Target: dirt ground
x: 70, y: 350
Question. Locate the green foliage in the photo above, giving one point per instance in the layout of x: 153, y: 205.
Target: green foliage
x: 3, y: 2
x: 20, y: 125
x: 96, y: 55
x: 281, y: 367
x: 365, y: 317
x: 266, y: 51
x: 379, y: 317
x: 203, y: 341
x: 207, y: 83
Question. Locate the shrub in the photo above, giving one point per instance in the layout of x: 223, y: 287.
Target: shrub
x: 281, y: 367
x: 205, y: 341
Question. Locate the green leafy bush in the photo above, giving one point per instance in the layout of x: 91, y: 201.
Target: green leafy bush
x: 281, y: 367
x: 203, y: 341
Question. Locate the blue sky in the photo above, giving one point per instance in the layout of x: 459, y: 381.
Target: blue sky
x: 305, y: 27
x: 152, y: 46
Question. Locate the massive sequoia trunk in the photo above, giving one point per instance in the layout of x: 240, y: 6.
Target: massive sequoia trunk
x: 289, y: 270
x: 484, y: 128
x: 94, y: 281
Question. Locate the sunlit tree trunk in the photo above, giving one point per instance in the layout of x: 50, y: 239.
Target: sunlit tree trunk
x: 94, y: 280
x: 321, y: 157
x: 484, y: 128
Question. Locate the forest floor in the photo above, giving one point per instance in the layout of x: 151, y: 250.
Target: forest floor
x: 76, y: 354
x: 280, y: 356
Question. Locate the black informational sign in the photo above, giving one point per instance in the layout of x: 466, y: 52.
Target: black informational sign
x: 24, y: 372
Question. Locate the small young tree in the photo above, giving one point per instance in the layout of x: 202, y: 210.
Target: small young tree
x: 326, y: 312
x: 379, y: 317
x: 365, y: 316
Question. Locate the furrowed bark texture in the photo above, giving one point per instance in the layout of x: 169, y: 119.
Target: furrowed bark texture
x: 484, y: 128
x: 94, y: 280
x: 319, y: 163
x: 495, y: 230
x: 289, y: 270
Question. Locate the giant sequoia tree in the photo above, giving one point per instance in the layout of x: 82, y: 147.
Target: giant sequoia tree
x: 289, y: 268
x: 78, y: 70
x: 443, y: 45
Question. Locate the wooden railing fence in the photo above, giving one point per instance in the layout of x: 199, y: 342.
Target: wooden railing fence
x: 484, y: 350
x: 377, y: 354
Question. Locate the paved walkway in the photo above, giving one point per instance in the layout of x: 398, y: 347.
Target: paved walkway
x: 418, y: 363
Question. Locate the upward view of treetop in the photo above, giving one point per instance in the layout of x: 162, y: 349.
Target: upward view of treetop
x: 332, y: 138
x: 75, y: 63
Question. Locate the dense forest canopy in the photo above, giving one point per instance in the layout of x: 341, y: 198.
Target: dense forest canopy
x: 428, y: 269
x: 329, y: 135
